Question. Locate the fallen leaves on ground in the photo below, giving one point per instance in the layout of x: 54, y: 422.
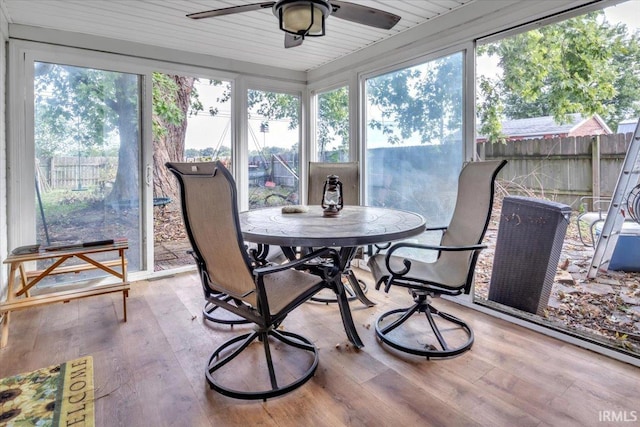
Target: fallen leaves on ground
x: 607, y: 306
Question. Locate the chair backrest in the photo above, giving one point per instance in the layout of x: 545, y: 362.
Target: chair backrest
x: 210, y: 213
x: 471, y: 216
x: 348, y: 173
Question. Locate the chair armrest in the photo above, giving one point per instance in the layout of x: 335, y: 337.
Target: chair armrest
x: 379, y: 247
x: 320, y: 253
x: 387, y: 245
x: 407, y: 261
x: 435, y: 247
x: 599, y: 203
x: 595, y: 199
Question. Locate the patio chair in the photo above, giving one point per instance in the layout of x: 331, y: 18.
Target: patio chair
x: 267, y: 294
x: 349, y: 175
x: 591, y: 217
x: 450, y: 274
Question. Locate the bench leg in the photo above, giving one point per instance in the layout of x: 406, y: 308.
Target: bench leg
x: 125, y: 294
x: 5, y: 329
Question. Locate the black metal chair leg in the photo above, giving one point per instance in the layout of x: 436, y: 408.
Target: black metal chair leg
x: 408, y: 313
x: 272, y: 372
x: 434, y: 328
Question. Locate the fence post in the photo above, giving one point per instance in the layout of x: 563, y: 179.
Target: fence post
x: 51, y: 174
x: 481, y: 150
x: 595, y: 167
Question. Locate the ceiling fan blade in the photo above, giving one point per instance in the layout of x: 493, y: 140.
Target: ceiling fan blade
x: 364, y: 15
x: 291, y: 40
x: 230, y: 10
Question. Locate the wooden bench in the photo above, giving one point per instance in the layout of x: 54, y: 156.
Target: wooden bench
x: 19, y: 298
x: 65, y: 296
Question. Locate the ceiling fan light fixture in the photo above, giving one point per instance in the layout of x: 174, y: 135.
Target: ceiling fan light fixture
x: 306, y: 18
x: 302, y: 17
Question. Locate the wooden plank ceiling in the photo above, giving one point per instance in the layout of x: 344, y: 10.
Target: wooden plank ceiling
x: 251, y: 36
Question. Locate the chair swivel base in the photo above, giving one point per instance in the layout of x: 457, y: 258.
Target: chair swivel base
x: 232, y: 348
x: 217, y: 314
x: 438, y: 347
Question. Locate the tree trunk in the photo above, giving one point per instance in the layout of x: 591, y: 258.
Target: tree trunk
x: 126, y: 188
x: 170, y: 147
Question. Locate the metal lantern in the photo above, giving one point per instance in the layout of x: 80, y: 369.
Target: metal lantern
x: 332, y: 196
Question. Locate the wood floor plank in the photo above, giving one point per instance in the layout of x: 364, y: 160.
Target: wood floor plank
x: 114, y: 388
x: 358, y: 405
x: 150, y: 370
x: 57, y: 343
x: 165, y: 393
x: 416, y: 400
x: 24, y: 324
x: 533, y: 399
x: 586, y: 403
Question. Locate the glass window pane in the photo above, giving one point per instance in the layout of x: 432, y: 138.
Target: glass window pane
x: 208, y: 133
x: 274, y: 148
x: 332, y: 126
x: 87, y: 145
x: 547, y: 99
x: 192, y: 122
x: 413, y: 140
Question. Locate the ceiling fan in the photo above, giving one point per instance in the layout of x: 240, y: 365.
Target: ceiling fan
x: 305, y: 18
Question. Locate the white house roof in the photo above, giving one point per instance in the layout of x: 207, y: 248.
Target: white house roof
x: 627, y: 126
x: 546, y: 125
x: 538, y: 127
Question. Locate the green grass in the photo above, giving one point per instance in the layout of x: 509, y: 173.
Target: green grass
x: 63, y: 202
x: 271, y: 196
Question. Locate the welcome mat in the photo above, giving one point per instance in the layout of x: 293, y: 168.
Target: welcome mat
x: 59, y: 395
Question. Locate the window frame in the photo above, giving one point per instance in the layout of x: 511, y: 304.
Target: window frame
x: 266, y: 85
x: 21, y: 144
x: 20, y: 130
x: 468, y: 116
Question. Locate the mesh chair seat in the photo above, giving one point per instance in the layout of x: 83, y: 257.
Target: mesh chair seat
x: 215, y: 313
x: 449, y: 273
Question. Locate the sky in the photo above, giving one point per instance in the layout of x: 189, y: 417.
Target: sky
x: 205, y: 130
x: 628, y: 13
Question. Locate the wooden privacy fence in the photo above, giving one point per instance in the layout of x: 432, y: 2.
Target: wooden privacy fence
x: 562, y: 169
x: 76, y: 172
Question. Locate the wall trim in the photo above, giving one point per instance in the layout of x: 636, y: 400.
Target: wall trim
x: 144, y: 51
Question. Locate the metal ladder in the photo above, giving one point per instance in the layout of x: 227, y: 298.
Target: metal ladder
x: 612, y: 226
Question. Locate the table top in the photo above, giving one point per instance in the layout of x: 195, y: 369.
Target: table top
x: 355, y: 226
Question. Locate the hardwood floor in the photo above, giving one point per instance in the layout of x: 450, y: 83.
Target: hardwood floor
x: 150, y: 370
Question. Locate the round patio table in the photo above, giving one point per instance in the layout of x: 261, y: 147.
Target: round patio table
x: 354, y: 226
